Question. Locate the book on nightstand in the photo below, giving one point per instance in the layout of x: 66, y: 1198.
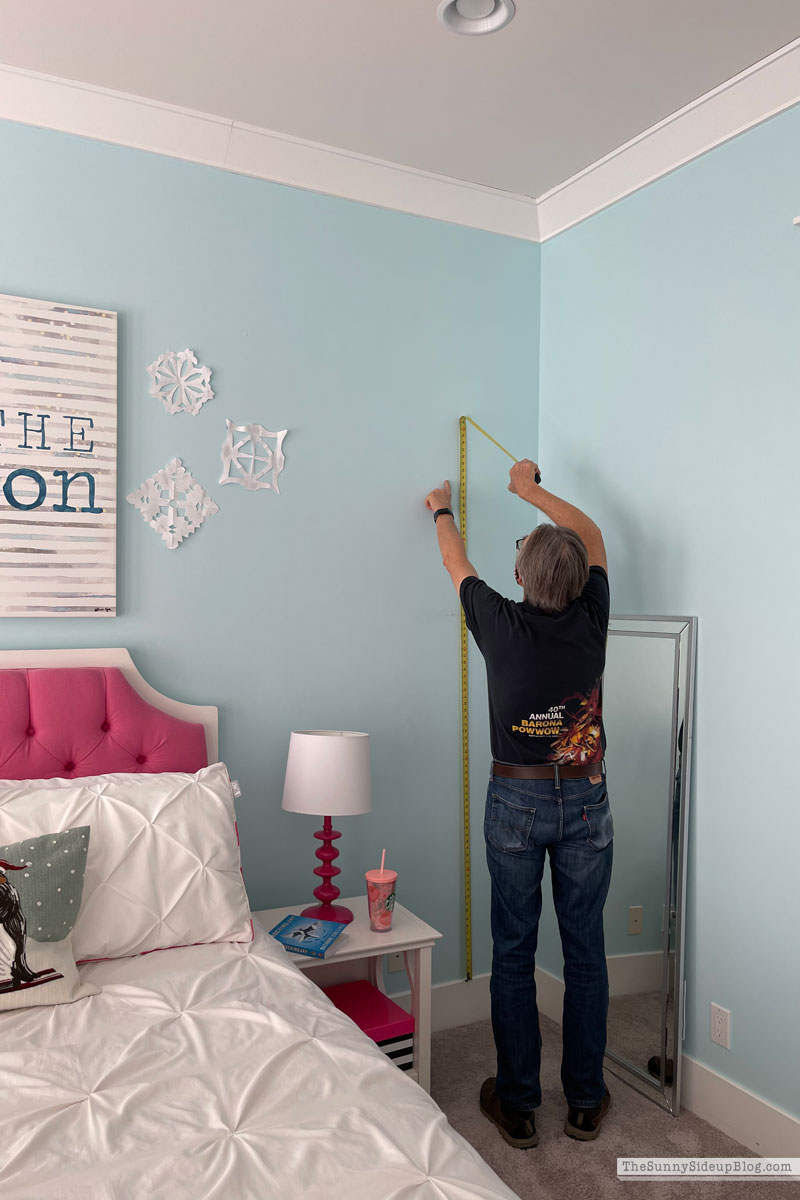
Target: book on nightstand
x: 307, y: 935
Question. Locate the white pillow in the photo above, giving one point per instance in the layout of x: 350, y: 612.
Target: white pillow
x: 163, y: 866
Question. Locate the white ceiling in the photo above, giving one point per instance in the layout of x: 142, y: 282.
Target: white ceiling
x: 521, y: 110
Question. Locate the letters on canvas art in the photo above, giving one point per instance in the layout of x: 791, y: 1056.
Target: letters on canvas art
x: 26, y: 488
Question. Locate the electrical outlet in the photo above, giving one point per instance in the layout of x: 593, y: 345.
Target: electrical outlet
x: 396, y: 962
x: 721, y: 1026
x: 635, y: 919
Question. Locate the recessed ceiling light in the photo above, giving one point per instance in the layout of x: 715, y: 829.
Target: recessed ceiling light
x: 475, y: 16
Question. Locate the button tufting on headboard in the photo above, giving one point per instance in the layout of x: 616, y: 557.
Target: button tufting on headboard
x: 56, y: 720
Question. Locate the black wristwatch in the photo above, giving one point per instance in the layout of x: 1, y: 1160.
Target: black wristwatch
x: 440, y: 511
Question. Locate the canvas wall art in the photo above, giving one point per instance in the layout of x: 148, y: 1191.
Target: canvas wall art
x: 58, y: 459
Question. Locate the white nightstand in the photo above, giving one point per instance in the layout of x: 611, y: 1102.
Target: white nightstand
x: 357, y: 954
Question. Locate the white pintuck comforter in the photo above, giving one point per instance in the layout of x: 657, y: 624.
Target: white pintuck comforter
x: 216, y: 1071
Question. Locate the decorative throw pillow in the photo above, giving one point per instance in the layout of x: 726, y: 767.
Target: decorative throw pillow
x: 41, y: 884
x: 163, y: 869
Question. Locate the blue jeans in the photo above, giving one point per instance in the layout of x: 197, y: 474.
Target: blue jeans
x: 525, y: 818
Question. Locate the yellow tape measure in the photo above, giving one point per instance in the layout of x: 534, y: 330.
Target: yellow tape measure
x: 475, y: 425
x: 462, y: 521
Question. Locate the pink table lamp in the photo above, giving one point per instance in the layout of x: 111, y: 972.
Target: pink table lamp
x: 328, y: 775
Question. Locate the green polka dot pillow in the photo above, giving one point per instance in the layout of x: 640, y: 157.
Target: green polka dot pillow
x: 41, y: 884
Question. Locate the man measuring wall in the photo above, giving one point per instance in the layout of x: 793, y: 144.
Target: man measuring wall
x: 547, y: 794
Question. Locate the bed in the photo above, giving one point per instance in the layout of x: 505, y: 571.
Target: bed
x: 204, y: 1070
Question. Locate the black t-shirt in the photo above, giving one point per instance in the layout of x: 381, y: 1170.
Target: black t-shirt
x: 544, y: 672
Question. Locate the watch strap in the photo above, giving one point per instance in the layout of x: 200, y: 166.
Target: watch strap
x: 439, y: 512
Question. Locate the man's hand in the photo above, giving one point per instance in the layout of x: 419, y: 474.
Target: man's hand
x: 524, y: 477
x: 523, y: 482
x: 439, y: 497
x: 451, y: 543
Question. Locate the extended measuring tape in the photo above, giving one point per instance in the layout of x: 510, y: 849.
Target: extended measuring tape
x: 462, y: 521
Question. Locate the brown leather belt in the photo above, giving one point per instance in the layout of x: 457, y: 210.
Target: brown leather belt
x: 548, y: 770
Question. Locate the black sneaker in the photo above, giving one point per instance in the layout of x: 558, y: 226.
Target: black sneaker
x: 518, y: 1128
x: 584, y: 1123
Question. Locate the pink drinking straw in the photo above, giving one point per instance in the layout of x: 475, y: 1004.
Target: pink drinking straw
x: 383, y: 859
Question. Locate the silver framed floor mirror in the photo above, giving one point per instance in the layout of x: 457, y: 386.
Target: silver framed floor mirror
x: 648, y: 702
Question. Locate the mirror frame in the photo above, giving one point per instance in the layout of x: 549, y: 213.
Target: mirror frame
x: 683, y: 632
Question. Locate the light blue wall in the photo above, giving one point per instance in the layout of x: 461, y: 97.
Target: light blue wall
x: 669, y: 410
x: 366, y: 333
x: 669, y: 385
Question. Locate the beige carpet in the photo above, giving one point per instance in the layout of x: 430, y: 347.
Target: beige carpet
x: 562, y: 1169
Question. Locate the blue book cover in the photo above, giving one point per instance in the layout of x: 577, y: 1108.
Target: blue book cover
x: 307, y: 935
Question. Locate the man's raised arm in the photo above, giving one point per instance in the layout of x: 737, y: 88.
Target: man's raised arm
x: 523, y: 483
x: 451, y: 543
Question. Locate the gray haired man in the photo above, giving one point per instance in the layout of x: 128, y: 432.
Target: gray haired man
x: 547, y: 796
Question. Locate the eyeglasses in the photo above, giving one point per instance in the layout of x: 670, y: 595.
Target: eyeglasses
x: 520, y: 541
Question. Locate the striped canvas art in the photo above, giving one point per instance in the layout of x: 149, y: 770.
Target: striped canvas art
x: 58, y: 459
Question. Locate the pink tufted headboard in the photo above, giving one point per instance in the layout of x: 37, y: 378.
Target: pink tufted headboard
x: 78, y: 721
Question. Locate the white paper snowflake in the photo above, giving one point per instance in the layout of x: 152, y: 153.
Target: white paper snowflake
x: 248, y: 460
x: 179, y: 383
x: 173, y: 503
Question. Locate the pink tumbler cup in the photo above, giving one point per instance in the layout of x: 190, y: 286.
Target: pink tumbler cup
x: 380, y: 897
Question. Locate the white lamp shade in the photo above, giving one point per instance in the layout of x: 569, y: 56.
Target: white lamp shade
x: 328, y: 773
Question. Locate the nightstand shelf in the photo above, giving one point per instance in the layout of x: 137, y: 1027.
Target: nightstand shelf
x: 357, y: 954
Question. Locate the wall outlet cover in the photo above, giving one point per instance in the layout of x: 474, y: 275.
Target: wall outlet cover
x: 635, y: 918
x: 721, y: 1026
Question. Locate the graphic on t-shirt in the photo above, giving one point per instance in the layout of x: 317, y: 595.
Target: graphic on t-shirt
x: 575, y: 727
x: 542, y: 724
x: 543, y: 673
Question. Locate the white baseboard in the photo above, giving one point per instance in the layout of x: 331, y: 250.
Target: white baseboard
x: 461, y: 1003
x: 751, y: 1120
x: 631, y: 973
x: 457, y: 1003
x: 766, y: 1130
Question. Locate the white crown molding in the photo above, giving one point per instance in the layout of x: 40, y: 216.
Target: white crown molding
x: 71, y: 107
x: 318, y: 168
x: 764, y: 89
x: 108, y: 116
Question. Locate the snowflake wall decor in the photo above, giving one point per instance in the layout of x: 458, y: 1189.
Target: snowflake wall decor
x: 173, y: 503
x: 249, y: 459
x: 179, y: 383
